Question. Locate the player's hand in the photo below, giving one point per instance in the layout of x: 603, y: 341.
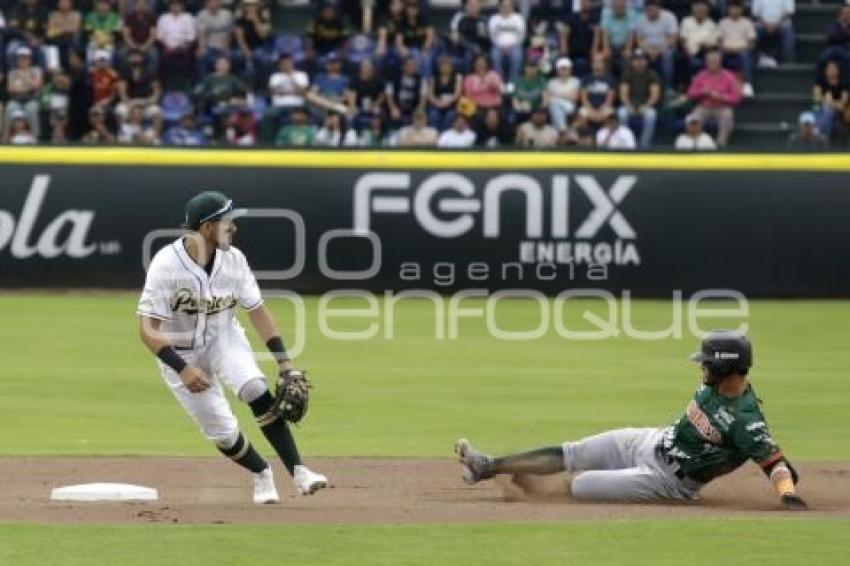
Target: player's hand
x: 195, y: 379
x: 793, y: 502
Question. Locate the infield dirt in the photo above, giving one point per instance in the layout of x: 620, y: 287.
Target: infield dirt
x: 365, y: 490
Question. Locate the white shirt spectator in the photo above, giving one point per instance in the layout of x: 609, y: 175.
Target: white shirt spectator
x: 772, y: 12
x: 684, y: 142
x: 22, y: 138
x: 736, y: 35
x: 453, y: 139
x: 697, y: 35
x: 564, y: 90
x: 655, y: 33
x: 176, y: 32
x: 283, y: 89
x: 507, y: 32
x: 620, y: 138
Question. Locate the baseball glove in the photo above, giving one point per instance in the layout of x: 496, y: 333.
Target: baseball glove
x: 292, y: 395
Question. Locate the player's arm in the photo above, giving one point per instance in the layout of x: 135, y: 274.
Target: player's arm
x: 263, y: 322
x: 754, y: 439
x: 194, y: 378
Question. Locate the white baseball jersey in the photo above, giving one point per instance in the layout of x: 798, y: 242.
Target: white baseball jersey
x: 197, y: 309
x: 198, y: 318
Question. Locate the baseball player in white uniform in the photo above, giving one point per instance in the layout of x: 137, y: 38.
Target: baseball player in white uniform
x: 187, y: 319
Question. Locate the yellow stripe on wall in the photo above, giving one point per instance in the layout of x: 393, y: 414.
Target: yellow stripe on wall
x: 418, y: 159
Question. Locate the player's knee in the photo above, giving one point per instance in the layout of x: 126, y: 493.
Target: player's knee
x: 227, y: 441
x: 222, y: 432
x: 584, y: 487
x: 253, y: 390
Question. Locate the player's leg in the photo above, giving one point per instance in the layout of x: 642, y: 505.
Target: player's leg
x: 630, y: 484
x: 211, y: 412
x: 236, y: 366
x: 615, y: 449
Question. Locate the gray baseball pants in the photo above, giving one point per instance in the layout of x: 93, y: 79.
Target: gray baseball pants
x: 624, y: 465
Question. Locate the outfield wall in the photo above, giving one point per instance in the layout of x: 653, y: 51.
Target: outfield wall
x: 765, y: 225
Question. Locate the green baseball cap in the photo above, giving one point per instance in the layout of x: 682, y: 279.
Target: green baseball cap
x: 208, y: 206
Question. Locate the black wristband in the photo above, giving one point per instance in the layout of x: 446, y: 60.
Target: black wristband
x: 171, y: 358
x: 278, y: 350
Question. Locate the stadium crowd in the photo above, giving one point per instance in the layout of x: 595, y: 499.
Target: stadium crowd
x: 366, y: 73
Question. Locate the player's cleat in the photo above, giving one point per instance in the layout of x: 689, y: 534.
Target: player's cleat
x: 308, y: 482
x: 475, y: 465
x: 264, y: 489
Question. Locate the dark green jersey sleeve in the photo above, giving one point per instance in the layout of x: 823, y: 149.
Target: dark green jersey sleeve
x: 752, y: 437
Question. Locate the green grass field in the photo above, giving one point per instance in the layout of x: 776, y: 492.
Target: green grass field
x: 76, y: 380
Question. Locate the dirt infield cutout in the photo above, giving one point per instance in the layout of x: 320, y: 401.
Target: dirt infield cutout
x: 369, y: 490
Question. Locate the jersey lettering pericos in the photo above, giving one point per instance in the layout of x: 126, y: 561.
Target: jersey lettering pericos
x: 717, y: 434
x: 196, y: 308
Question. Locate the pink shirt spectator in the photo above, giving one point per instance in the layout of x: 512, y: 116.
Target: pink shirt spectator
x: 486, y: 91
x: 722, y: 82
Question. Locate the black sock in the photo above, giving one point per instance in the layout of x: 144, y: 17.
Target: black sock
x: 276, y: 431
x: 244, y: 454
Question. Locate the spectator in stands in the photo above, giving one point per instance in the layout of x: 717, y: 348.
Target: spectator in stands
x: 493, y: 131
x: 220, y: 91
x: 838, y: 37
x: 472, y: 28
x: 98, y: 132
x: 252, y: 30
x: 333, y: 133
x: 373, y: 136
x: 657, y: 32
x: 185, y: 132
x: 56, y: 100
x: 299, y: 132
x: 699, y: 34
x: 640, y: 93
x: 716, y: 92
x: 288, y: 88
x: 483, y: 86
x: 597, y: 94
x: 103, y: 27
x: 326, y: 33
x: 215, y: 28
x: 530, y: 93
x: 694, y: 138
x: 19, y: 130
x: 389, y: 27
x: 365, y: 95
x: 405, y: 94
x: 536, y: 132
x: 104, y: 81
x: 459, y: 136
x: 328, y: 90
x: 807, y: 137
x: 416, y: 38
x: 831, y: 97
x: 618, y: 31
x: 507, y: 32
x: 773, y: 23
x: 135, y: 130
x: 444, y: 90
x: 614, y: 135
x: 580, y: 36
x: 138, y: 87
x: 419, y: 133
x: 563, y: 92
x: 64, y: 26
x: 23, y: 84
x: 140, y: 33
x: 27, y: 24
x: 175, y: 31
x: 737, y: 36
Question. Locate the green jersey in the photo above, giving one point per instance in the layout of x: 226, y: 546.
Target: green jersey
x: 717, y: 434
